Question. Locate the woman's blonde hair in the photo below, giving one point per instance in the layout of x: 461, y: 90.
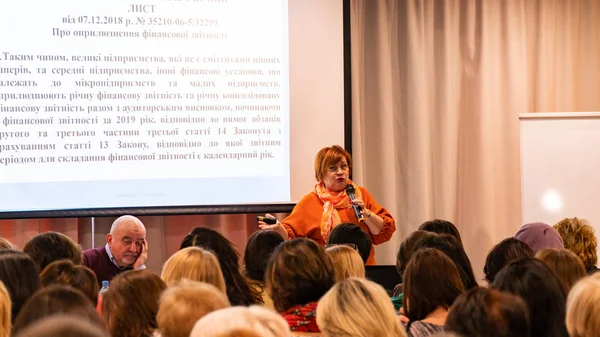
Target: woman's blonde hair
x: 583, y: 305
x: 579, y: 237
x: 181, y: 306
x: 241, y: 321
x: 357, y: 307
x: 565, y: 264
x: 5, y: 310
x: 196, y: 264
x: 346, y: 262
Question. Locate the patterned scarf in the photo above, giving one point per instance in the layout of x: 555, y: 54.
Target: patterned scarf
x: 331, y: 203
x: 302, y: 318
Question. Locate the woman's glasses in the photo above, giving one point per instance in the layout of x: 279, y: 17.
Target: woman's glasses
x: 343, y: 167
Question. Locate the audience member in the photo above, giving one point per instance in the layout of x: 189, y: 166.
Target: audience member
x: 259, y: 249
x: 346, y: 262
x: 253, y: 321
x: 298, y: 274
x: 431, y: 284
x: 182, y: 305
x: 21, y: 277
x: 48, y: 247
x: 533, y: 281
x: 508, y: 250
x: 538, y: 235
x: 348, y: 232
x: 5, y: 309
x: 63, y: 326
x: 195, y: 264
x: 130, y: 305
x: 56, y: 299
x: 67, y: 273
x: 239, y: 290
x: 565, y: 264
x: 407, y: 247
x: 484, y: 312
x: 359, y: 308
x: 583, y: 306
x: 579, y: 237
x: 5, y: 244
x: 450, y: 246
x: 126, y: 249
x: 439, y: 226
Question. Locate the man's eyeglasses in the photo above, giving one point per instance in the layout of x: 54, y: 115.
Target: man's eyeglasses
x: 351, y: 245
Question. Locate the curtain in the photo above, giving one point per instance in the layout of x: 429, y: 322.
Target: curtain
x: 437, y: 88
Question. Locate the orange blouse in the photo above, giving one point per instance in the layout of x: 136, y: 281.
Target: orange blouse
x: 305, y: 220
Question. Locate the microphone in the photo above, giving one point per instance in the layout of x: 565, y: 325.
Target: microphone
x: 352, y: 194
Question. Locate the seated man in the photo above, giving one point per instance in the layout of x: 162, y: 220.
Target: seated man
x: 126, y: 249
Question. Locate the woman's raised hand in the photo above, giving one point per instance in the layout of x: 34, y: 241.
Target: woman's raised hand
x: 277, y: 227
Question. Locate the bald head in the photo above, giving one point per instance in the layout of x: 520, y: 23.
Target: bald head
x: 125, y: 240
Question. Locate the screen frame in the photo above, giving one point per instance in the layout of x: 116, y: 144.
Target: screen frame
x: 214, y: 209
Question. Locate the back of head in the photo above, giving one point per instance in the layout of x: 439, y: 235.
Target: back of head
x: 238, y: 289
x: 48, y: 247
x: 130, y: 305
x: 66, y: 272
x: 196, y: 264
x: 533, y: 281
x: 346, y: 262
x: 450, y: 246
x: 579, y: 237
x: 357, y: 307
x: 351, y: 233
x: 241, y: 322
x: 5, y: 322
x: 63, y: 326
x: 21, y: 277
x: 440, y: 226
x: 298, y: 273
x: 538, y: 235
x: 259, y: 249
x: 56, y: 299
x: 583, y: 306
x: 5, y: 244
x: 484, y: 312
x: 565, y: 264
x: 431, y: 281
x: 508, y: 250
x: 407, y: 248
x: 182, y: 305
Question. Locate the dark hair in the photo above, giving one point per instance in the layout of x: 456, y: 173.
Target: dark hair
x: 21, y: 277
x: 508, y: 250
x: 239, y: 291
x: 540, y: 288
x: 431, y: 280
x: 259, y: 249
x: 130, y: 305
x: 350, y: 233
x: 484, y: 312
x: 63, y: 326
x: 299, y: 272
x: 56, y: 299
x: 440, y: 226
x: 66, y: 273
x: 407, y: 247
x: 48, y: 247
x: 454, y: 250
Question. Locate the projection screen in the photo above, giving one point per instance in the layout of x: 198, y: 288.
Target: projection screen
x: 110, y: 104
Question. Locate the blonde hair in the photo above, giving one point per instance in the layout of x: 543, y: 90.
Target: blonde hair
x: 5, y: 244
x: 241, y: 321
x: 357, y: 307
x: 346, y: 262
x: 579, y: 237
x: 565, y: 264
x: 583, y: 304
x: 181, y: 306
x: 196, y: 264
x: 5, y: 310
